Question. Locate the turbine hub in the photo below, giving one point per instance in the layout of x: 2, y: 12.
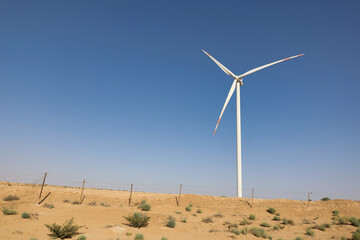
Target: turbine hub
x: 240, y: 81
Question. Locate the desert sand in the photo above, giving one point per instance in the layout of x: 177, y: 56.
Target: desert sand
x: 105, y: 219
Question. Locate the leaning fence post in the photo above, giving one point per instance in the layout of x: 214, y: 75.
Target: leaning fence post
x: 252, y: 197
x: 82, y: 189
x: 42, y: 186
x: 178, y: 199
x: 130, y: 194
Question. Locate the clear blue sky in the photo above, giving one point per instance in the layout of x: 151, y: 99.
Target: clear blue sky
x: 120, y: 92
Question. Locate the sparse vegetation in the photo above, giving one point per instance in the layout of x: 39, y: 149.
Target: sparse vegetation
x: 271, y: 210
x: 298, y: 238
x: 264, y: 224
x: 144, y: 206
x: 25, y: 215
x: 276, y: 218
x: 236, y: 231
x: 183, y: 220
x: 245, y: 222
x: 48, y: 205
x: 128, y: 234
x: 139, y: 236
x: 355, y: 236
x: 104, y: 204
x: 258, y: 232
x: 67, y: 230
x: 276, y: 227
x: 66, y: 201
x: 9, y: 211
x: 188, y: 208
x: 335, y: 213
x: 93, y: 203
x: 218, y: 215
x: 342, y: 220
x: 171, y: 222
x: 354, y: 221
x: 252, y: 217
x: 199, y: 211
x: 178, y: 212
x: 75, y: 202
x: 138, y: 220
x: 310, y: 232
x: 325, y: 199
x: 163, y: 238
x: 82, y: 237
x: 11, y: 198
x: 288, y: 221
x: 320, y: 227
x: 207, y: 220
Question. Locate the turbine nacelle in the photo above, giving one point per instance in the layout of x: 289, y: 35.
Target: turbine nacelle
x: 240, y: 81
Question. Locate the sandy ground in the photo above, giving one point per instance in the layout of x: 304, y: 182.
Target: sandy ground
x: 108, y: 223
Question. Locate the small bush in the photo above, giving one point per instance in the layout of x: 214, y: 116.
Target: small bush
x: 335, y: 213
x: 207, y: 220
x: 276, y: 218
x: 327, y: 225
x: 104, y: 204
x: 271, y: 210
x: 25, y: 215
x: 66, y: 201
x: 67, y: 230
x: 245, y: 222
x: 188, y: 209
x: 145, y: 207
x: 138, y: 220
x: 236, y: 231
x: 128, y: 234
x: 321, y: 228
x: 355, y: 236
x: 276, y: 227
x: 277, y: 214
x: 199, y: 211
x: 291, y: 222
x: 48, y: 205
x: 218, y: 215
x: 183, y: 220
x: 288, y: 221
x: 178, y: 212
x: 258, y: 232
x: 139, y: 237
x: 358, y: 230
x: 11, y: 198
x: 171, y: 223
x: 354, y: 221
x: 93, y: 203
x: 82, y: 237
x: 252, y: 217
x: 298, y: 238
x: 75, y: 202
x: 325, y: 199
x: 9, y: 211
x: 310, y: 232
x: 190, y: 205
x: 244, y: 231
x: 264, y: 224
x: 343, y: 220
x: 163, y: 238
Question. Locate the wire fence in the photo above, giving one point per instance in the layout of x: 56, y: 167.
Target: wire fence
x: 52, y: 179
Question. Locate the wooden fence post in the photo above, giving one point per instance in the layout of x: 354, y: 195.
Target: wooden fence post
x: 178, y: 199
x: 82, y: 189
x: 42, y: 186
x: 130, y: 194
x: 252, y: 197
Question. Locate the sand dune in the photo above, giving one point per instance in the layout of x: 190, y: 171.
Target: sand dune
x: 107, y: 222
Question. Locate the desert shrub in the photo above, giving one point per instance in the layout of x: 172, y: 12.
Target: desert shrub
x: 128, y: 234
x: 163, y: 238
x: 342, y: 220
x: 218, y: 215
x: 355, y: 236
x: 358, y: 230
x: 245, y: 222
x: 277, y: 214
x: 207, y: 220
x: 25, y: 215
x: 11, y: 198
x: 104, y: 204
x: 291, y: 222
x: 264, y: 224
x: 93, y: 203
x: 321, y: 228
x: 190, y: 205
x: 178, y: 212
x: 288, y: 221
x: 66, y: 201
x: 9, y: 211
x: 48, y: 205
x: 252, y: 217
x: 75, y: 202
x: 276, y: 227
x: 236, y: 231
x: 327, y: 225
x: 276, y: 218
x: 138, y: 220
x: 183, y: 220
x: 271, y: 210
x: 139, y: 236
x: 310, y: 232
x: 325, y: 199
x: 67, y: 230
x: 335, y: 213
x: 354, y: 221
x: 188, y: 208
x: 145, y: 206
x: 343, y: 238
x: 258, y: 232
x: 171, y: 223
x: 82, y: 237
x: 199, y: 211
x: 298, y: 238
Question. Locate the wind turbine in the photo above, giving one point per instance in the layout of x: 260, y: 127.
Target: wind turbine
x: 238, y: 81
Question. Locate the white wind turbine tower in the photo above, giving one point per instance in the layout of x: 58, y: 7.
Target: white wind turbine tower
x: 238, y: 81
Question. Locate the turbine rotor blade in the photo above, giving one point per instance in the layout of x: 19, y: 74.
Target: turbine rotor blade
x: 227, y: 71
x: 267, y: 65
x: 232, y: 89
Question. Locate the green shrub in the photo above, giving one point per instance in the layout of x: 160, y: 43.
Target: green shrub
x: 244, y: 231
x: 325, y: 199
x: 138, y: 220
x: 358, y: 230
x: 245, y: 222
x: 218, y: 215
x: 252, y: 217
x: 310, y: 232
x: 207, y: 220
x: 190, y: 205
x: 354, y: 221
x: 335, y: 213
x: 67, y: 230
x: 276, y: 218
x: 343, y: 220
x: 93, y: 203
x: 25, y: 215
x: 183, y: 220
x: 75, y: 202
x: 321, y: 228
x: 277, y: 214
x: 82, y: 237
x: 327, y: 225
x: 66, y: 201
x: 271, y: 210
x: 145, y: 207
x: 163, y: 238
x: 276, y: 227
x: 11, y: 198
x: 178, y: 212
x: 48, y: 205
x: 128, y: 234
x: 9, y: 211
x: 355, y: 236
x: 298, y: 238
x: 236, y: 231
x: 139, y: 236
x: 199, y: 211
x: 188, y: 208
x: 343, y: 238
x: 258, y: 232
x: 288, y: 221
x: 291, y: 222
x: 171, y: 223
x: 264, y: 224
